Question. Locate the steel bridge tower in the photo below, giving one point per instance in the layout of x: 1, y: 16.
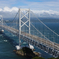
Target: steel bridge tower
x: 1, y: 22
x: 22, y: 14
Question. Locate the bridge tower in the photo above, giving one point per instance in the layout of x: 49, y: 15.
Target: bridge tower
x: 2, y: 22
x: 22, y: 14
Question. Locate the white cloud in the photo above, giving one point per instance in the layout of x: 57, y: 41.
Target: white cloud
x: 7, y: 12
x: 7, y: 9
x: 47, y: 11
x: 47, y: 5
x: 10, y: 9
x: 0, y: 9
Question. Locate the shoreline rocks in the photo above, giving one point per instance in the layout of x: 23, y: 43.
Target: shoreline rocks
x: 26, y: 52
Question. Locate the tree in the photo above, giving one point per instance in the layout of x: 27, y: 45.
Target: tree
x: 38, y: 58
x: 52, y: 58
x: 57, y: 58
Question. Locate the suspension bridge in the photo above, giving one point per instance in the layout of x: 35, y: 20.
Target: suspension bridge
x: 27, y: 31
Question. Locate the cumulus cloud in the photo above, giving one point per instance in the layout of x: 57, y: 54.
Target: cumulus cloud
x: 7, y: 12
x: 46, y: 13
x: 0, y: 9
x: 7, y: 9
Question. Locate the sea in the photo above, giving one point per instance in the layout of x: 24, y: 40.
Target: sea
x: 8, y: 41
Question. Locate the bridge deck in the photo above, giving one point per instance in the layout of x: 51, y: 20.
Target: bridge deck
x: 43, y: 41
x: 36, y: 38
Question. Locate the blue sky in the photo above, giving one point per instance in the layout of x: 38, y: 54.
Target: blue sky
x: 38, y: 6
x: 32, y: 4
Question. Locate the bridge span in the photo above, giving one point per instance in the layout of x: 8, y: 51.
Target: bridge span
x: 46, y: 45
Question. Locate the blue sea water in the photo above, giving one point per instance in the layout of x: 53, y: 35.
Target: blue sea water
x: 6, y: 49
x: 7, y: 44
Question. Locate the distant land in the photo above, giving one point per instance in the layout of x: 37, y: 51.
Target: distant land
x: 45, y: 19
x: 33, y: 19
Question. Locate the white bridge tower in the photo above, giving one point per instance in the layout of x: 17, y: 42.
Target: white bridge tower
x: 1, y: 17
x: 22, y: 14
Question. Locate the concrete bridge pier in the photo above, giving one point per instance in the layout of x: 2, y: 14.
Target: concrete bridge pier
x: 47, y: 48
x: 2, y: 30
x: 55, y: 53
x: 58, y: 53
x: 50, y: 51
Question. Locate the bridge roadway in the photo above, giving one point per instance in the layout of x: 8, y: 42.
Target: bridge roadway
x: 35, y: 38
